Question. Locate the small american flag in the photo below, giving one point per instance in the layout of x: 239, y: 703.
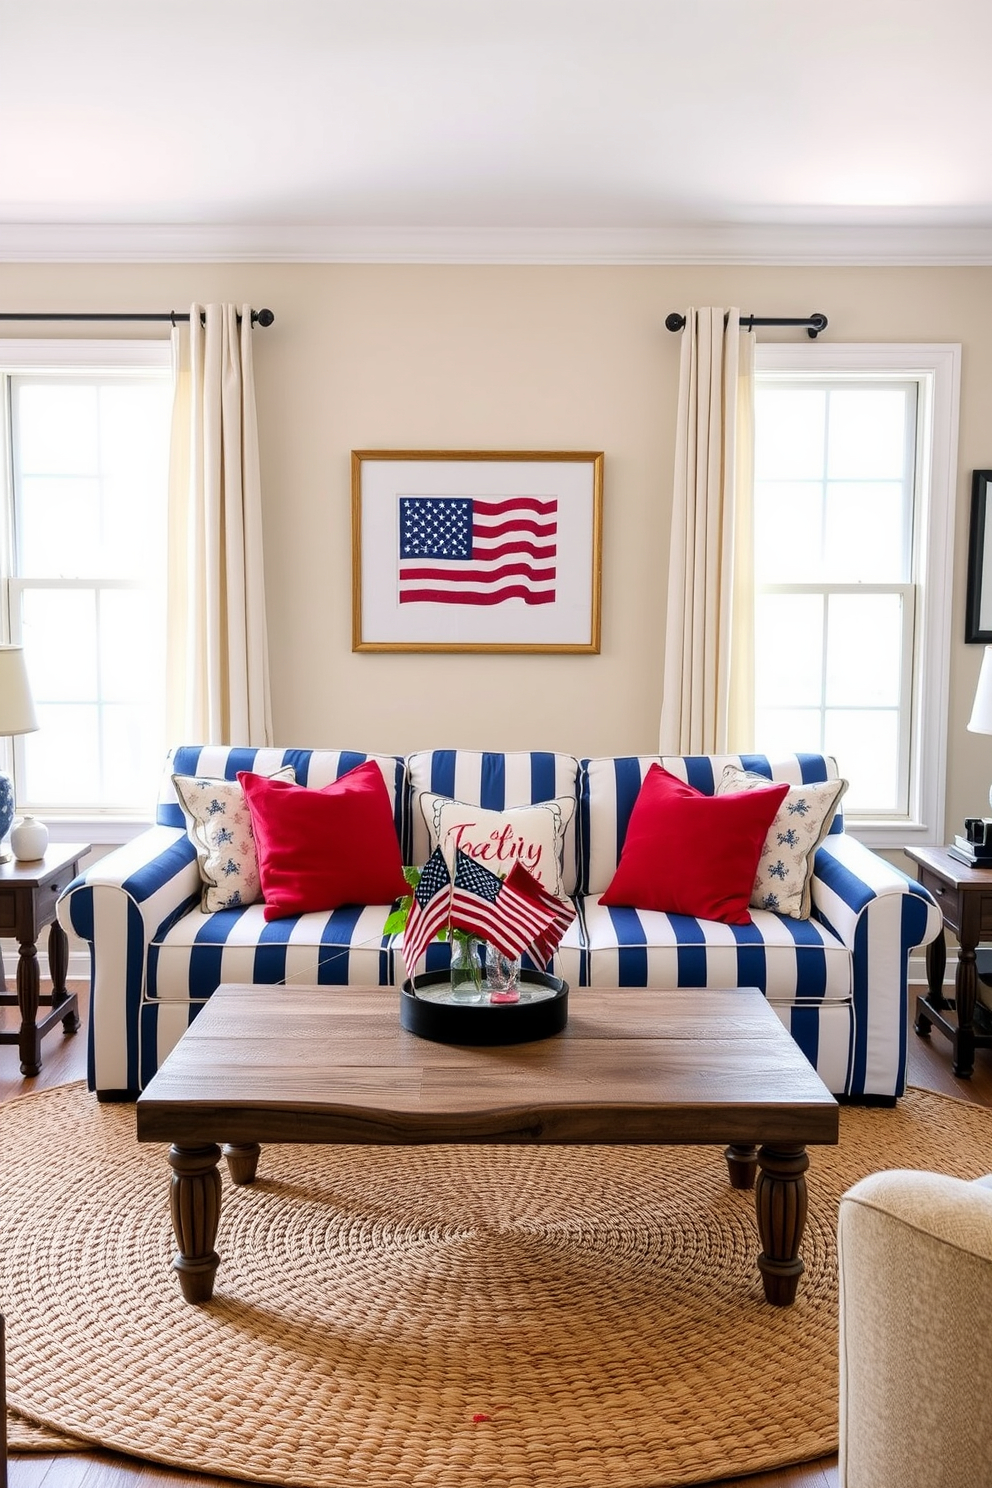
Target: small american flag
x: 546, y: 942
x: 515, y: 914
x: 496, y: 910
x: 466, y: 550
x: 429, y: 910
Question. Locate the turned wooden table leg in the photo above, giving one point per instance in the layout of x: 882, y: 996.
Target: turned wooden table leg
x: 780, y: 1199
x: 58, y: 966
x: 242, y: 1160
x: 936, y: 962
x: 195, y: 1203
x: 28, y: 992
x: 743, y: 1164
x: 965, y: 996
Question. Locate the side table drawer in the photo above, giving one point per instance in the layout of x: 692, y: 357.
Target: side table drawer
x: 953, y: 904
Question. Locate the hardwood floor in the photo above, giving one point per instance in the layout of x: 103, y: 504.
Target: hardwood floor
x: 65, y: 1059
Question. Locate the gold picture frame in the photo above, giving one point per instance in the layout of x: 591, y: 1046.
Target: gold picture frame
x: 476, y: 550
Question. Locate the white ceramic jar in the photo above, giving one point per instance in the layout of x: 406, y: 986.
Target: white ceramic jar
x: 28, y: 839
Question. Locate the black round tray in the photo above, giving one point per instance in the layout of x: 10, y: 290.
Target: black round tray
x: 484, y: 1022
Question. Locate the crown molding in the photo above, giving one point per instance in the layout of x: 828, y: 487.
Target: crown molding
x: 789, y: 244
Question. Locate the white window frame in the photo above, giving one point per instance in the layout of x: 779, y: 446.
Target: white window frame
x: 20, y: 356
x: 937, y: 370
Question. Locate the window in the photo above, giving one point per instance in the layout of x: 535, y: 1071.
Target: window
x: 87, y: 429
x: 854, y: 501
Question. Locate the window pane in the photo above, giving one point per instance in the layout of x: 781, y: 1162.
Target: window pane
x: 852, y: 659
x: 56, y: 425
x: 58, y: 629
x: 864, y: 650
x: 59, y: 526
x: 780, y: 731
x: 89, y: 457
x: 55, y: 772
x: 132, y: 663
x: 788, y: 530
x: 867, y: 434
x: 788, y: 648
x: 865, y: 745
x: 867, y: 533
x: 130, y: 740
x: 789, y: 433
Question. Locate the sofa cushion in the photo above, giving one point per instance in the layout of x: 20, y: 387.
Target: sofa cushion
x: 497, y: 782
x: 218, y: 824
x: 785, y: 866
x: 531, y: 835
x: 609, y: 787
x: 318, y: 849
x: 190, y: 959
x: 692, y: 854
x: 790, y: 960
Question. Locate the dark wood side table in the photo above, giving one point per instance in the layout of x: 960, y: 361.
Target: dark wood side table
x: 28, y: 894
x: 965, y: 898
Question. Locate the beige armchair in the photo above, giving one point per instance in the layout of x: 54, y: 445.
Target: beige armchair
x: 915, y: 1262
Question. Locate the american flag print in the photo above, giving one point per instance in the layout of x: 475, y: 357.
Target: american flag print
x: 471, y: 550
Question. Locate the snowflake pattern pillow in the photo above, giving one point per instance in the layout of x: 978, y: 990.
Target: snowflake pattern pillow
x: 218, y: 823
x: 785, y: 866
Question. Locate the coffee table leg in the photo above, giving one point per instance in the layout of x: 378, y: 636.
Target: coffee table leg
x: 743, y: 1164
x: 242, y: 1160
x: 780, y: 1198
x: 195, y: 1202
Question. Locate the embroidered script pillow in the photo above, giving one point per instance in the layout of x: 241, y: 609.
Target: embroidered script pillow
x: 531, y: 835
x: 785, y: 867
x: 218, y: 824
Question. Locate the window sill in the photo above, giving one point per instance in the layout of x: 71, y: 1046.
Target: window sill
x: 100, y: 831
x: 892, y: 836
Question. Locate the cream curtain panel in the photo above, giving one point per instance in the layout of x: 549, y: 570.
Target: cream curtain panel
x: 217, y: 652
x: 708, y: 684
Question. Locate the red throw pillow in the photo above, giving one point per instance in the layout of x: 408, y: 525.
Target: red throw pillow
x: 685, y: 853
x: 321, y: 848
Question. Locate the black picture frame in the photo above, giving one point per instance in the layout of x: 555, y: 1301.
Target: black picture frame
x: 978, y: 607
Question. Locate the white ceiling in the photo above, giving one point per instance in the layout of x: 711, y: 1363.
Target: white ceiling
x: 584, y: 130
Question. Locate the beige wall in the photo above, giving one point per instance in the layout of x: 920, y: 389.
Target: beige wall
x: 515, y: 358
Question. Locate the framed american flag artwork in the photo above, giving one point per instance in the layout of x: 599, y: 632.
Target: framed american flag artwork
x: 469, y: 550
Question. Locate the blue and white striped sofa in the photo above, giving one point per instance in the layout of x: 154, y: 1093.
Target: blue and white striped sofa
x: 837, y: 980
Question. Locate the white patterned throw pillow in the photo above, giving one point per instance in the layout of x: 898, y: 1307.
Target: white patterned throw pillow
x: 218, y: 824
x: 785, y: 867
x: 531, y: 835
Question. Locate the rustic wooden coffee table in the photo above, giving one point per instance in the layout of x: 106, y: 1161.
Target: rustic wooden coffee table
x: 327, y: 1064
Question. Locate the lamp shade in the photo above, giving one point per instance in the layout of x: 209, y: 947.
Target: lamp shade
x: 17, y: 714
x: 980, y: 721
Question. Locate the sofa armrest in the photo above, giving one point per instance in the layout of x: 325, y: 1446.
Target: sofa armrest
x: 848, y: 879
x: 915, y: 1272
x: 118, y: 905
x: 880, y: 915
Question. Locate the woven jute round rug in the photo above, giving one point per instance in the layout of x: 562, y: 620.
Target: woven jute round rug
x: 431, y: 1317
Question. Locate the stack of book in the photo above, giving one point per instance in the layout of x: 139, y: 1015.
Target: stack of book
x: 975, y: 854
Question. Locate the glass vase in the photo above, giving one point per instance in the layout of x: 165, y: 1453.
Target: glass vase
x: 468, y: 981
x: 502, y: 975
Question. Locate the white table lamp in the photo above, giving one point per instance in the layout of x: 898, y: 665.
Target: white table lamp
x: 17, y: 716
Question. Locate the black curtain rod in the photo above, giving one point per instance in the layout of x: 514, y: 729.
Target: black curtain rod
x: 814, y: 323
x: 258, y: 317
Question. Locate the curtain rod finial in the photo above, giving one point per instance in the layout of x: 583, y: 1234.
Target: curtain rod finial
x: 262, y: 317
x: 674, y: 322
x: 817, y: 323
